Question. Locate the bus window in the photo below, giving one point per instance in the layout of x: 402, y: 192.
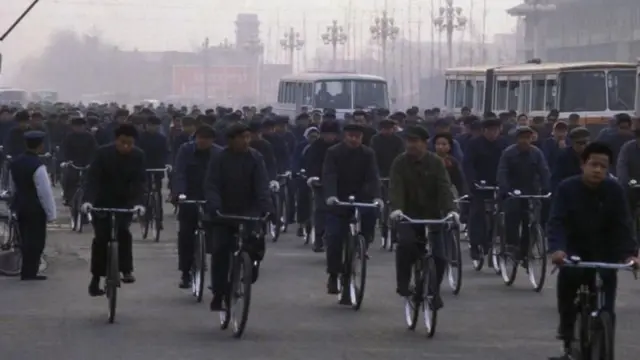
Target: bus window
x: 281, y: 93
x: 459, y: 96
x: 479, y: 102
x: 621, y: 85
x: 551, y: 91
x: 370, y: 94
x: 500, y: 102
x: 291, y: 93
x: 450, y: 93
x: 512, y: 95
x: 468, y: 93
x: 525, y: 96
x: 334, y: 94
x: 537, y: 98
x: 307, y: 93
x: 582, y: 91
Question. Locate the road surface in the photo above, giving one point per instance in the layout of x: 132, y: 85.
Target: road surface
x: 292, y: 317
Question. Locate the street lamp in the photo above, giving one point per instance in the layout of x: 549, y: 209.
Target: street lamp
x: 291, y: 42
x: 384, y: 30
x: 334, y: 36
x: 226, y: 44
x: 254, y: 47
x: 450, y: 20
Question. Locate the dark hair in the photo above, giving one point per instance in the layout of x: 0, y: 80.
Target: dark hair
x: 205, y: 131
x: 446, y: 136
x: 126, y: 130
x: 598, y: 148
x: 33, y: 143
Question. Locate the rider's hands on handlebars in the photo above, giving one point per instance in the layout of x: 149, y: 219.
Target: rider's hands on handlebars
x: 396, y: 215
x: 86, y: 207
x: 140, y: 210
x: 332, y: 200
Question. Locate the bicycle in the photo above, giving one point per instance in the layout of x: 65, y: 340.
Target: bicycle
x: 112, y: 280
x: 279, y: 222
x: 354, y: 250
x: 425, y: 287
x: 536, y: 248
x: 152, y: 220
x: 386, y: 230
x: 199, y: 267
x: 5, y: 181
x: 77, y: 217
x: 634, y: 186
x: 240, y: 274
x: 313, y: 183
x: 494, y: 219
x: 11, y: 241
x: 595, y: 333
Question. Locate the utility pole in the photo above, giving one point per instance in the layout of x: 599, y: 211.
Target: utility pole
x: 450, y: 20
x: 15, y: 24
x: 291, y: 43
x: 334, y: 36
x: 384, y: 30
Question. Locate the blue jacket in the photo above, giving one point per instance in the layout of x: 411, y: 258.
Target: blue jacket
x: 190, y: 170
x: 481, y: 160
x: 567, y: 164
x: 551, y: 150
x: 297, y: 156
x: 526, y: 171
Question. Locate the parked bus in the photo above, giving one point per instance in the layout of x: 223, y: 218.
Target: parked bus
x: 594, y: 90
x: 340, y: 91
x: 10, y: 96
x: 45, y: 96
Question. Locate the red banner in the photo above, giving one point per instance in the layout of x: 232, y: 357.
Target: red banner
x: 224, y: 83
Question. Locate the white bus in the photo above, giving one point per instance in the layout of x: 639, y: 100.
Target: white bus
x: 594, y: 90
x: 11, y: 96
x: 340, y: 91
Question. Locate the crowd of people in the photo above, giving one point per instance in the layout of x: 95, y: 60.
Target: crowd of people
x: 233, y: 160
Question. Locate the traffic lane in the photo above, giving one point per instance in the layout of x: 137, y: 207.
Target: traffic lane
x: 291, y: 315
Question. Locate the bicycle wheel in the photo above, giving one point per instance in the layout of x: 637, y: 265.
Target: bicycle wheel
x: 284, y: 209
x: 80, y: 217
x: 274, y: 223
x: 508, y: 266
x: 157, y: 216
x: 429, y: 291
x: 602, y: 342
x: 225, y: 315
x: 454, y: 265
x: 358, y: 271
x: 385, y: 233
x: 112, y: 280
x: 497, y: 235
x: 241, y: 293
x: 537, y: 258
x: 11, y: 263
x: 413, y: 303
x: 199, y: 267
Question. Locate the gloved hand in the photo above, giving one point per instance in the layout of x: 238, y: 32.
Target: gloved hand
x: 169, y: 168
x: 455, y: 216
x: 379, y: 203
x: 140, y: 210
x: 274, y: 185
x: 86, y: 208
x: 63, y: 165
x: 332, y: 200
x: 396, y: 215
x: 311, y: 180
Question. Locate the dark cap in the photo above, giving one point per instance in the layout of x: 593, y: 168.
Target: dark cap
x: 78, y: 121
x: 255, y: 126
x: 330, y: 127
x: 491, y: 122
x: 524, y: 130
x: 579, y: 133
x: 386, y: 124
x: 269, y: 123
x: 22, y: 116
x: 442, y: 123
x: 154, y: 120
x: 303, y: 116
x: 34, y: 135
x: 353, y: 128
x: 282, y: 120
x: 236, y: 129
x: 560, y: 125
x: 416, y: 132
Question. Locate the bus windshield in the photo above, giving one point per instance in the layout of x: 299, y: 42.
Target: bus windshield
x: 583, y: 91
x: 621, y: 89
x: 334, y: 94
x: 371, y: 94
x: 13, y: 96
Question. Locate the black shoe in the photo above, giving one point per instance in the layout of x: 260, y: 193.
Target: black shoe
x: 216, y: 304
x: 300, y: 232
x: 128, y: 278
x: 185, y: 281
x: 94, y: 287
x: 404, y: 291
x: 437, y: 303
x: 332, y: 285
x: 255, y: 272
x: 34, y: 277
x: 318, y: 247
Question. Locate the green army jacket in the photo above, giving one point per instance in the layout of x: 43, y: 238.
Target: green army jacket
x: 421, y: 188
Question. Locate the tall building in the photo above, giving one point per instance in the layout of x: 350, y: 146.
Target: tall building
x: 581, y: 30
x: 247, y: 29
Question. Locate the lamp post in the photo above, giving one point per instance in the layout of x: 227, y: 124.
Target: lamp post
x: 449, y: 21
x: 291, y: 42
x: 334, y: 36
x: 384, y: 30
x: 255, y: 48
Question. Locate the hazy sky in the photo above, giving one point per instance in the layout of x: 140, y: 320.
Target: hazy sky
x: 183, y: 24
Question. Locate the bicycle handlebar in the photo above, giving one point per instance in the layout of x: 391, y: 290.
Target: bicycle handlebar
x: 165, y: 169
x: 461, y: 199
x: 352, y: 203
x: 575, y: 262
x: 633, y: 183
x: 114, y: 210
x: 241, y: 218
x: 482, y: 185
x: 73, y: 166
x: 517, y: 194
x: 182, y: 199
x: 444, y: 220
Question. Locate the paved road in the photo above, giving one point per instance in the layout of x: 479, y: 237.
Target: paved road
x: 291, y: 318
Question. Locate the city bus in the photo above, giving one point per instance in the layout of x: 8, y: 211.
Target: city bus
x: 594, y: 90
x: 12, y: 96
x: 340, y: 91
x: 45, y: 96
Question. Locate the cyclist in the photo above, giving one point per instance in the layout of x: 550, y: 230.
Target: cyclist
x: 279, y: 144
x: 115, y: 179
x: 420, y: 188
x: 361, y: 118
x: 568, y: 162
x: 615, y: 139
x: 443, y: 126
x: 471, y: 129
x: 387, y: 145
x: 481, y: 164
x: 78, y: 147
x: 628, y: 163
x: 154, y: 145
x: 303, y: 194
x: 188, y: 179
x: 312, y: 161
x: 443, y: 145
x: 589, y: 218
x: 236, y: 183
x: 14, y: 142
x: 32, y: 202
x: 522, y: 167
x: 552, y: 146
x: 349, y: 169
x: 264, y: 148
